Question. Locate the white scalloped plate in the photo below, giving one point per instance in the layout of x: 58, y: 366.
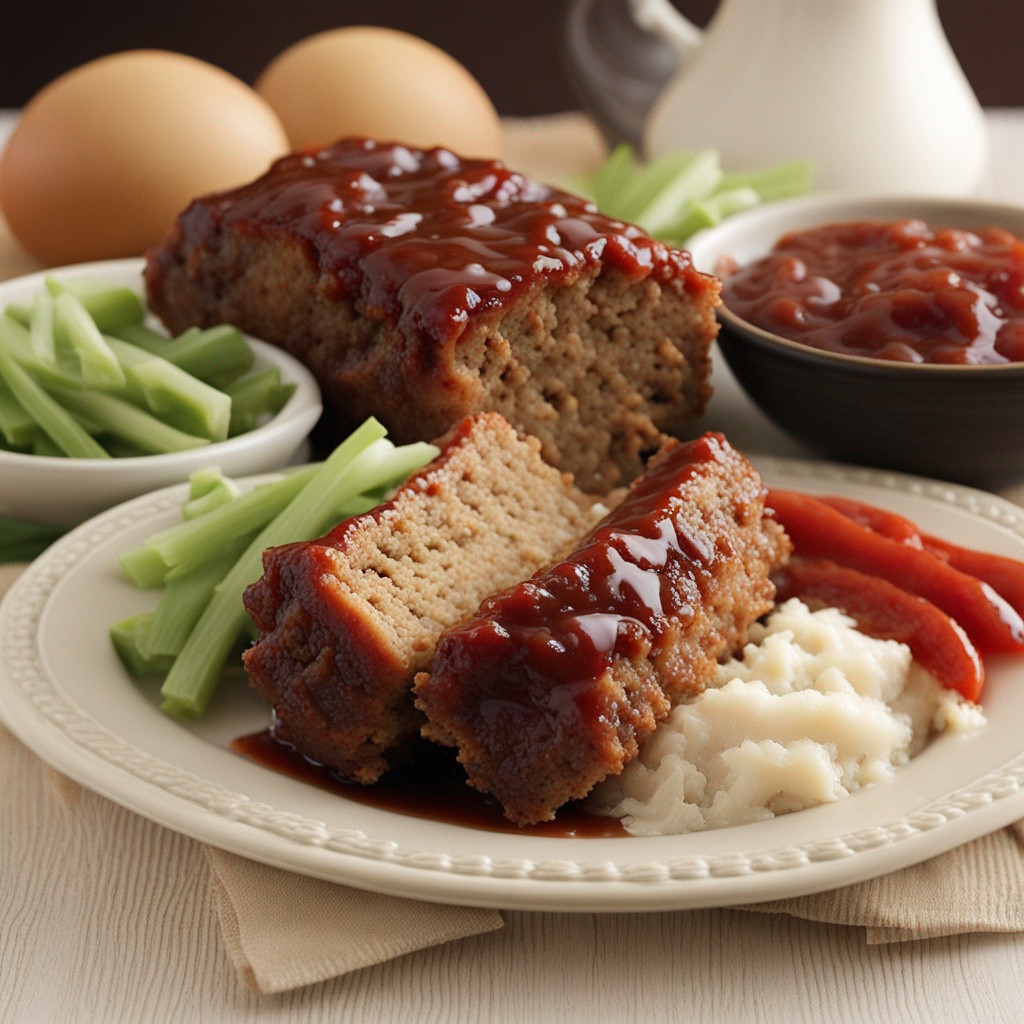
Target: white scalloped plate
x: 63, y: 692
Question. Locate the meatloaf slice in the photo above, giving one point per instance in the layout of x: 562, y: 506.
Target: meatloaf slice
x: 347, y: 620
x: 421, y: 287
x: 551, y: 685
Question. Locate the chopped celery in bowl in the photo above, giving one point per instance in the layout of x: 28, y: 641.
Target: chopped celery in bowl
x: 97, y: 408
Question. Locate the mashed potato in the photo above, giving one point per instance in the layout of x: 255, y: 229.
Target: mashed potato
x: 813, y: 711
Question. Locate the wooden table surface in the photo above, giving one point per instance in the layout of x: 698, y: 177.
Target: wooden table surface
x: 77, y: 944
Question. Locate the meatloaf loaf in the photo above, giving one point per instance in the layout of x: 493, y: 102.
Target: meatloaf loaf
x: 346, y: 621
x: 551, y: 685
x: 421, y: 287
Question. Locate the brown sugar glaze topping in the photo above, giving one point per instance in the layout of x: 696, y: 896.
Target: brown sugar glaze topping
x: 900, y: 291
x: 426, y: 239
x: 543, y: 643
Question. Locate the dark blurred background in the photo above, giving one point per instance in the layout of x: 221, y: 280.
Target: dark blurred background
x: 512, y: 46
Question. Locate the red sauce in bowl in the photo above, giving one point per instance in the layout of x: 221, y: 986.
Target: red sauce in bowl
x: 901, y: 291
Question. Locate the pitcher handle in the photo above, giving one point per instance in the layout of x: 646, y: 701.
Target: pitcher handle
x: 661, y: 18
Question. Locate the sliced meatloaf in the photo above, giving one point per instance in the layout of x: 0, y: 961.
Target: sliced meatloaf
x: 421, y: 287
x: 551, y: 685
x: 346, y: 621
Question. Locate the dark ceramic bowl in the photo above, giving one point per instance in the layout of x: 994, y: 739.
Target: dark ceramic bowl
x: 963, y: 423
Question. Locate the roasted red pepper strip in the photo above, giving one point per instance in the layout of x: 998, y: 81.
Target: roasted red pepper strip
x: 1004, y: 575
x: 888, y: 524
x: 817, y: 530
x: 886, y: 611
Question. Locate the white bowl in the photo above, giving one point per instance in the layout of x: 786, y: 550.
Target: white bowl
x: 64, y: 492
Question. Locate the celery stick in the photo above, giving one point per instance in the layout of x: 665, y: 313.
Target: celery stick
x: 651, y: 180
x: 53, y: 420
x: 225, y: 491
x: 19, y: 313
x: 44, y: 445
x: 217, y: 355
x: 180, y: 399
x: 144, y: 567
x: 143, y: 337
x: 41, y: 331
x: 16, y: 426
x: 357, y: 464
x: 183, y: 601
x: 21, y: 541
x: 129, y: 423
x: 710, y: 212
x: 608, y: 181
x: 17, y: 340
x: 776, y: 182
x: 256, y: 396
x: 202, y: 538
x: 690, y: 184
x: 204, y: 480
x: 109, y: 305
x: 76, y: 329
x: 129, y: 637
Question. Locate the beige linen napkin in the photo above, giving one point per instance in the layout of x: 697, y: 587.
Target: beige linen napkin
x: 283, y: 930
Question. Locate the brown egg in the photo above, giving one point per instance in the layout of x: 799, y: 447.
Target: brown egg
x: 382, y: 84
x: 104, y: 157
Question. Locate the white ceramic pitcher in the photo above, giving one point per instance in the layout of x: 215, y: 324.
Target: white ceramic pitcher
x: 868, y: 89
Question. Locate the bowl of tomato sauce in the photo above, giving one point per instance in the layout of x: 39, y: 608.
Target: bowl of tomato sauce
x: 883, y: 331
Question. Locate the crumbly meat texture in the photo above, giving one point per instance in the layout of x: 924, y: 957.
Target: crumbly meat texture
x: 346, y: 621
x: 597, y: 361
x: 552, y: 685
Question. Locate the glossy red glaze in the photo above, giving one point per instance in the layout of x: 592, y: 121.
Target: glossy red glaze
x: 426, y: 239
x: 547, y: 642
x: 900, y: 291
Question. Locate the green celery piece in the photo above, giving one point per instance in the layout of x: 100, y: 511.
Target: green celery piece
x: 129, y: 637
x: 183, y: 601
x: 691, y: 183
x: 175, y: 396
x: 143, y: 337
x: 127, y: 422
x: 21, y: 541
x: 144, y: 567
x: 43, y: 445
x: 253, y: 397
x: 19, y: 313
x: 779, y: 181
x: 16, y: 426
x: 204, y: 480
x: 606, y: 184
x: 227, y: 490
x: 201, y: 538
x: 696, y: 217
x: 76, y: 329
x: 54, y: 420
x: 648, y: 181
x: 217, y: 355
x: 17, y: 340
x: 710, y: 212
x: 41, y: 332
x: 109, y: 305
x: 208, y: 488
x: 356, y: 465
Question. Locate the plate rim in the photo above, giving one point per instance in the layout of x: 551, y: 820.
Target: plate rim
x: 71, y: 740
